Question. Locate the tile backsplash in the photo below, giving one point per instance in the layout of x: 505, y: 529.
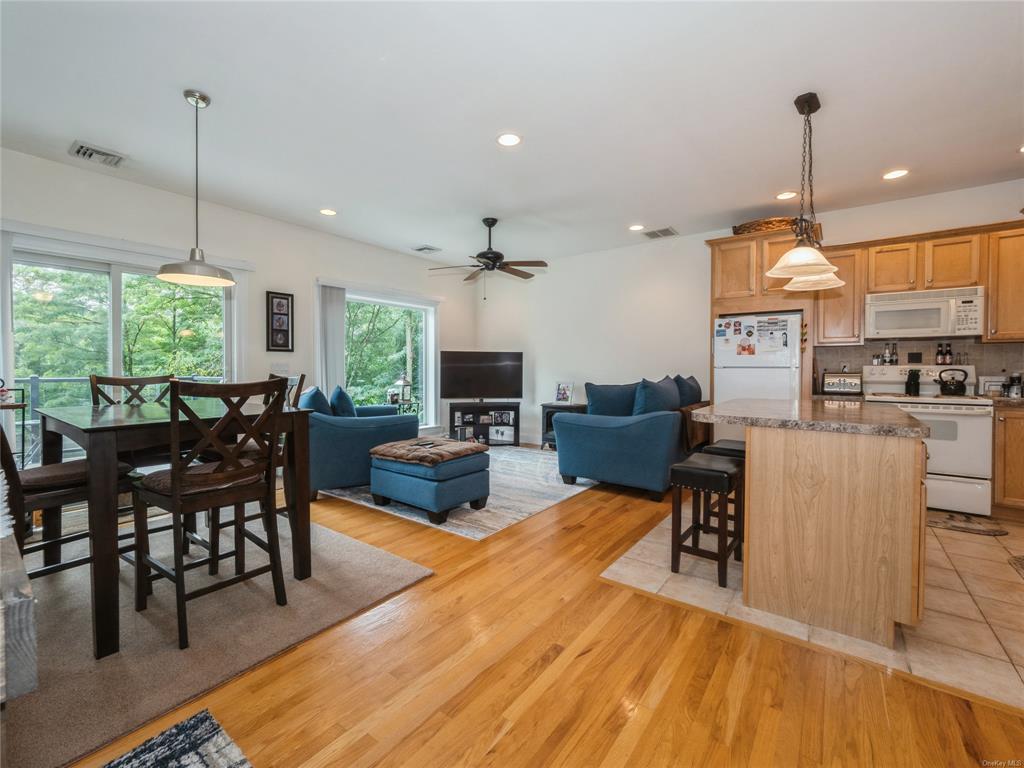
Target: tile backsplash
x: 989, y: 359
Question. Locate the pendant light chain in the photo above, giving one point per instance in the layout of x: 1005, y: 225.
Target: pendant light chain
x: 805, y: 225
x: 197, y: 174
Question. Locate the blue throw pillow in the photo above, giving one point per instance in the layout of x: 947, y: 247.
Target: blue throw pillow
x: 341, y: 403
x: 689, y: 390
x: 315, y: 399
x: 611, y: 399
x: 653, y: 396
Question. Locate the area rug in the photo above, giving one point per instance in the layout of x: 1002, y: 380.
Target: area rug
x: 524, y: 481
x: 83, y: 703
x: 198, y: 742
x: 1017, y: 561
x: 955, y: 521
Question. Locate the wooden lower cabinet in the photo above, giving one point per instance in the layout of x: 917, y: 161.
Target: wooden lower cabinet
x: 1008, y: 458
x: 839, y: 312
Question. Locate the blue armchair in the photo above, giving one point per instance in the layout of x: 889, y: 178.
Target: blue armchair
x: 339, y: 446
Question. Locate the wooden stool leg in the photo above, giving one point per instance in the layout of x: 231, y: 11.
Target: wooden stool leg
x: 213, y: 524
x: 190, y: 526
x: 140, y: 514
x: 738, y: 524
x: 239, y: 539
x: 723, y: 539
x: 51, y: 530
x: 677, y: 525
x: 274, y: 547
x: 179, y: 577
x: 695, y: 522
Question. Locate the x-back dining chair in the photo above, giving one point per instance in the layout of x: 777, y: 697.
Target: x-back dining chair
x: 131, y: 389
x: 242, y: 471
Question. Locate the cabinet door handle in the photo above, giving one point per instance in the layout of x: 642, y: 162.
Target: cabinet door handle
x: 992, y: 331
x: 1002, y: 418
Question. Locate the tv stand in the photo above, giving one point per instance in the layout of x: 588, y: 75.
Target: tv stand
x: 493, y: 423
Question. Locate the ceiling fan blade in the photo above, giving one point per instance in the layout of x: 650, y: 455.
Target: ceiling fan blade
x: 457, y: 266
x: 473, y: 276
x: 525, y: 263
x: 513, y: 271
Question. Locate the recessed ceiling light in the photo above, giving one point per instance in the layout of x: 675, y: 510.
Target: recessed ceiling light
x: 509, y: 140
x: 785, y: 195
x: 328, y: 212
x: 895, y: 173
x: 635, y: 227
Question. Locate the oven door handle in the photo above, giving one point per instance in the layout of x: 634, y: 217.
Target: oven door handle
x: 987, y: 412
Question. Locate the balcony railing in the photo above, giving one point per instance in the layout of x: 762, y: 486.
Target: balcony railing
x: 36, y: 396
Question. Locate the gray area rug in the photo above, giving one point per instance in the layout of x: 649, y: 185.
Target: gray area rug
x: 524, y: 481
x: 83, y: 703
x: 198, y: 742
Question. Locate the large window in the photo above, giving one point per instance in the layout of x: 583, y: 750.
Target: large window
x: 74, y: 318
x: 383, y: 342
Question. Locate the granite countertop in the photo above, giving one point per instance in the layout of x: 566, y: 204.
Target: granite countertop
x: 1008, y: 402
x: 847, y: 416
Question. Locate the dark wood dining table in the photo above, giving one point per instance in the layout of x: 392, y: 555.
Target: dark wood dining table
x: 104, y: 432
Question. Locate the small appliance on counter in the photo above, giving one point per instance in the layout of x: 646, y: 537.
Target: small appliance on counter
x: 843, y: 383
x: 1015, y: 385
x: 991, y: 386
x: 912, y: 387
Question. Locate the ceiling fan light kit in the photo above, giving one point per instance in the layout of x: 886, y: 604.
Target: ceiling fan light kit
x: 490, y: 260
x: 196, y: 271
x: 805, y: 259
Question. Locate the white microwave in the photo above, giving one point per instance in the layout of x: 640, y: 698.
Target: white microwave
x: 950, y: 312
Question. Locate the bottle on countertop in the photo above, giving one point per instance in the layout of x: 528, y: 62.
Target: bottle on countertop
x: 895, y: 357
x: 940, y: 358
x: 885, y: 355
x: 949, y: 354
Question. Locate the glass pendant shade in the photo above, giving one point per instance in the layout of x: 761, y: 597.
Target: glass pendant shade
x: 803, y: 260
x: 814, y: 283
x: 195, y: 271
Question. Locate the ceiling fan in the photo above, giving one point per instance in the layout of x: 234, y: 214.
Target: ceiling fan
x: 492, y: 260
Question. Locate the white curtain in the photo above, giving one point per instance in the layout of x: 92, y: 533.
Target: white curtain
x: 332, y: 337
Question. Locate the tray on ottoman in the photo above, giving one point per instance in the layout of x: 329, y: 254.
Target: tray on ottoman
x: 432, y: 474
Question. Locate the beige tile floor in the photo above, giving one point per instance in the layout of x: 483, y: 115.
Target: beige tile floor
x: 971, y: 636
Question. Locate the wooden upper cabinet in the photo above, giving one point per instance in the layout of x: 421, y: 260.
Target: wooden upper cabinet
x: 839, y: 312
x: 1008, y: 459
x: 772, y: 250
x: 1004, y: 303
x: 892, y: 268
x: 734, y: 270
x: 952, y: 262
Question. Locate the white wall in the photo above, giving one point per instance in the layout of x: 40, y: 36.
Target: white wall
x: 283, y: 257
x: 617, y: 315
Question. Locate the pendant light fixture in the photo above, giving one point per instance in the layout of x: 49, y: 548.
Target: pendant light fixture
x: 805, y: 259
x: 196, y: 271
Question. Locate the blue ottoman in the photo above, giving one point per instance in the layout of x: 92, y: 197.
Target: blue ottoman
x: 435, y: 475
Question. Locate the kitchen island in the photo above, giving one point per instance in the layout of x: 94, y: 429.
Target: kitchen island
x: 835, y: 512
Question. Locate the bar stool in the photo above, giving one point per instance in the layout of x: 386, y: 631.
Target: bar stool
x: 734, y: 449
x: 706, y: 474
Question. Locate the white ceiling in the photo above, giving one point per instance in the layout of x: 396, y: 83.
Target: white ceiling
x: 667, y: 114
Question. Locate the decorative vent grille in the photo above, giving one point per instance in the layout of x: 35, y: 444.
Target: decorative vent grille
x: 654, y: 234
x: 96, y: 154
x: 426, y: 249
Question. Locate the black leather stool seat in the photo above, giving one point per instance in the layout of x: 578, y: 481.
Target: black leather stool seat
x: 736, y: 449
x: 707, y: 472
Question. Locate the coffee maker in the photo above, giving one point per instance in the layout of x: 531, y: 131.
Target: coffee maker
x: 912, y: 387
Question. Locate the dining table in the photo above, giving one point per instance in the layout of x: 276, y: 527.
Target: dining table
x: 106, y: 432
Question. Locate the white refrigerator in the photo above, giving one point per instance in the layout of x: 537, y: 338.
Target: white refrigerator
x: 755, y: 356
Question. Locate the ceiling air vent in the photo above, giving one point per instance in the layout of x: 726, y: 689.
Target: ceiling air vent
x: 95, y: 154
x: 426, y: 249
x: 654, y: 234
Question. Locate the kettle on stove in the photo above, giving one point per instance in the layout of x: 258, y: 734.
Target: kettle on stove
x: 951, y: 385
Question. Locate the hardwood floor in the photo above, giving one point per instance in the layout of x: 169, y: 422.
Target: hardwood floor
x: 516, y: 654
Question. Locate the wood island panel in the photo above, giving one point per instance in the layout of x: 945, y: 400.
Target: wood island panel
x: 833, y: 529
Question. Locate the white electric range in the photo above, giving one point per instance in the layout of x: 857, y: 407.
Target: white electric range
x: 960, y: 446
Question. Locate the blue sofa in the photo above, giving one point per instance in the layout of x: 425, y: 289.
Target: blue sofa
x: 631, y: 434
x: 339, y: 445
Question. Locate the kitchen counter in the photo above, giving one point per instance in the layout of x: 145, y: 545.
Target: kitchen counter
x: 835, y: 512
x: 816, y: 415
x: 1008, y: 402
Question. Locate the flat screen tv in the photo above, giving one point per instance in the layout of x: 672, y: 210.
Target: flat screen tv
x: 481, y: 375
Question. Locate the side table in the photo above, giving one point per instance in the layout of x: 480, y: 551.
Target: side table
x: 547, y: 412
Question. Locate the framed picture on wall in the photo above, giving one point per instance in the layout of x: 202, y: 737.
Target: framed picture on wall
x: 280, y: 322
